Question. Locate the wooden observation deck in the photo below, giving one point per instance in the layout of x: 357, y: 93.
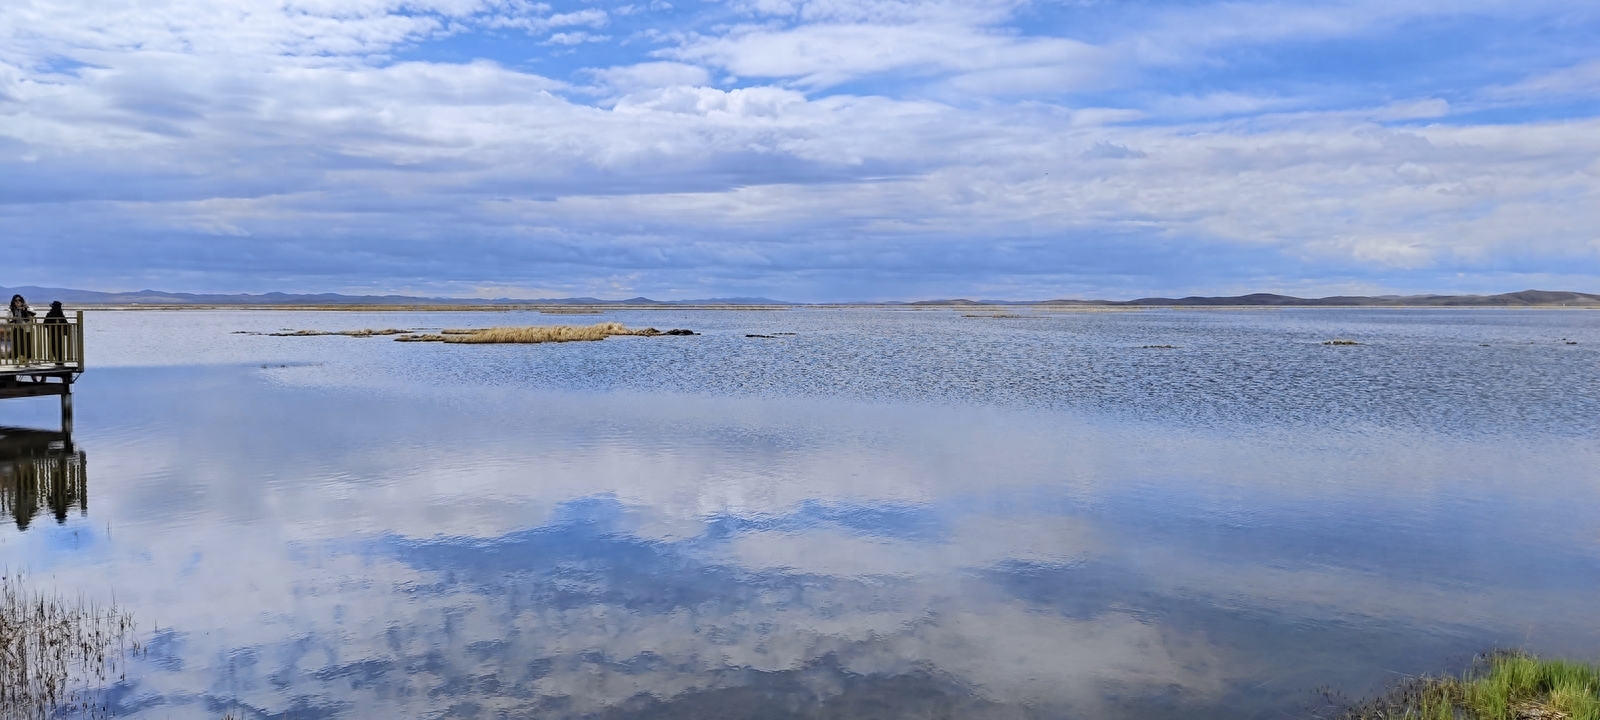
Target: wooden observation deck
x: 38, y: 357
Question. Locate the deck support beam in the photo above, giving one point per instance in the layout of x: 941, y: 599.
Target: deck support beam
x: 23, y: 386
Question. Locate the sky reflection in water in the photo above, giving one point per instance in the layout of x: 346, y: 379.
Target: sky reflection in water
x: 832, y: 524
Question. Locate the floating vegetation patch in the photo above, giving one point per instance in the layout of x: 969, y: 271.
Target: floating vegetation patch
x: 769, y: 337
x: 1340, y: 342
x: 1506, y: 685
x: 530, y: 335
x: 56, y: 656
x: 291, y: 332
x: 1159, y: 347
x: 346, y: 333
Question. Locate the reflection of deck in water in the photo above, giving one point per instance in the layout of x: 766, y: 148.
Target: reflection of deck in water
x: 39, y: 471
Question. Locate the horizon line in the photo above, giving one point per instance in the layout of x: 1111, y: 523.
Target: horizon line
x: 168, y: 298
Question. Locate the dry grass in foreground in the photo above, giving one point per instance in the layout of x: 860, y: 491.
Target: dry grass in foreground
x: 1502, y: 686
x: 56, y: 655
x: 528, y: 335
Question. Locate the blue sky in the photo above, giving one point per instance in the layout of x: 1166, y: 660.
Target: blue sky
x: 801, y: 149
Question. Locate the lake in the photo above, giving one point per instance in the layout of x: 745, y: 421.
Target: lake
x: 871, y: 513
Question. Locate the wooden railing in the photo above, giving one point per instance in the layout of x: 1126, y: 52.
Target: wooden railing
x: 37, y: 343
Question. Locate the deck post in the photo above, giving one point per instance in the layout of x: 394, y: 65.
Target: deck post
x: 66, y: 411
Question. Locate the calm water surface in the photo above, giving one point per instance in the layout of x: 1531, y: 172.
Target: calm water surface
x: 884, y: 514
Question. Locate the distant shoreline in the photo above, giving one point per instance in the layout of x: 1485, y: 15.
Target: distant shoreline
x: 150, y: 299
x: 1041, y: 309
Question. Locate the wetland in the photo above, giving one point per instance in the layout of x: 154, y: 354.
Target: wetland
x: 842, y: 513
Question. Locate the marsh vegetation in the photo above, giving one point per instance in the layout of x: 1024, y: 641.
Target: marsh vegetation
x: 56, y: 655
x: 347, y: 333
x: 537, y: 334
x: 522, y: 335
x: 1501, y: 686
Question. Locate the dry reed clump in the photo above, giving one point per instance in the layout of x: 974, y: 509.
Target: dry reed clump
x: 346, y: 333
x: 529, y: 335
x: 55, y: 655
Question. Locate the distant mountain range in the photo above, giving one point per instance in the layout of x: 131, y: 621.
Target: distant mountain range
x: 40, y: 296
x: 1525, y: 298
x: 43, y: 295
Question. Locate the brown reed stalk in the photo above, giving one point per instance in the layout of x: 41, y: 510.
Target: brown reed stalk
x: 56, y: 656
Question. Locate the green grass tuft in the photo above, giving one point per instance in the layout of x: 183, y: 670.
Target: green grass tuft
x: 1500, y: 686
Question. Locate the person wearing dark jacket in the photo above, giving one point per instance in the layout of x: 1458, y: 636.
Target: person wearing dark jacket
x: 57, y: 332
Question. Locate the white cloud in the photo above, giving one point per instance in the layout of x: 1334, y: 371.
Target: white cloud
x: 396, y: 149
x: 575, y: 38
x: 37, y: 29
x: 273, y: 122
x: 1184, y: 33
x: 819, y: 56
x: 973, y: 12
x: 1413, y: 110
x: 746, y: 103
x: 1219, y: 104
x: 651, y: 75
x: 1581, y: 79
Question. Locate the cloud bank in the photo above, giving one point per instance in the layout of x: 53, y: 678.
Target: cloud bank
x: 805, y: 149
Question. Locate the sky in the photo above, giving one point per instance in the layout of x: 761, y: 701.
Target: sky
x: 806, y: 150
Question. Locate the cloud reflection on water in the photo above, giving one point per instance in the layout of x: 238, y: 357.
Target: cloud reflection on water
x: 366, y: 550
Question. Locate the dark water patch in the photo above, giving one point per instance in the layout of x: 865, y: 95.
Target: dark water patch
x: 585, y: 557
x: 1449, y: 539
x: 901, y: 521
